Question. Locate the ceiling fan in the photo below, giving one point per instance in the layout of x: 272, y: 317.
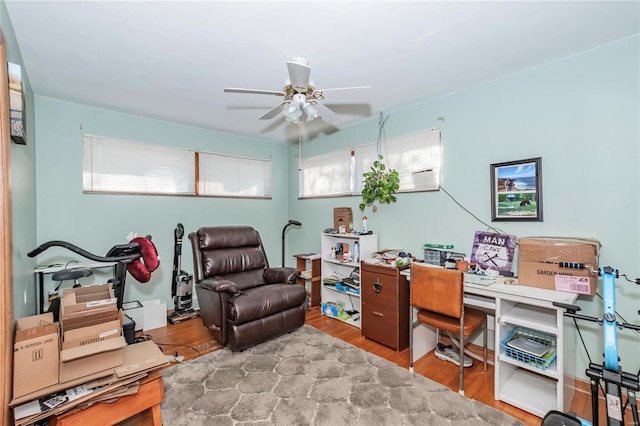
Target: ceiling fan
x: 300, y: 95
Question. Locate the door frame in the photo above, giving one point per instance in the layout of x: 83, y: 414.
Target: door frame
x: 6, y: 262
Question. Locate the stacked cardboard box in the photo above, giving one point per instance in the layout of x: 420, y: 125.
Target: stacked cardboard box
x: 36, y: 354
x: 139, y: 360
x: 91, y: 327
x: 84, y: 357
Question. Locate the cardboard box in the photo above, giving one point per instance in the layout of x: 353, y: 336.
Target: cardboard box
x: 92, y: 358
x: 141, y: 357
x: 138, y: 358
x: 155, y: 314
x: 90, y: 334
x: 342, y: 216
x: 94, y: 297
x: 36, y: 354
x: 90, y: 347
x: 539, y: 263
x: 87, y: 319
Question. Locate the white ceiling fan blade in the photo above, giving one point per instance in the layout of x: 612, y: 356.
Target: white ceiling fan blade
x: 325, y: 113
x: 272, y: 112
x: 253, y: 91
x: 299, y: 75
x: 344, y: 88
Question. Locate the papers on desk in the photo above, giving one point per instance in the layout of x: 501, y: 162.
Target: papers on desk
x: 480, y: 279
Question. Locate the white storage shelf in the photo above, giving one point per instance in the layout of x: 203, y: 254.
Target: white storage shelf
x: 541, y: 319
x: 368, y: 244
x: 526, y: 386
x: 551, y: 371
x: 336, y: 262
x: 330, y: 288
x: 530, y: 392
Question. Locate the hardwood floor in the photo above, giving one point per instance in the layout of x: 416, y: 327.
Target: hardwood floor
x: 190, y: 339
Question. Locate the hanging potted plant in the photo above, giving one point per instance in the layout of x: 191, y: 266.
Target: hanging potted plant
x: 380, y: 184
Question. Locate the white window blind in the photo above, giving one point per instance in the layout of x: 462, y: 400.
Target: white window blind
x: 415, y: 157
x: 326, y: 175
x: 111, y: 165
x: 222, y: 175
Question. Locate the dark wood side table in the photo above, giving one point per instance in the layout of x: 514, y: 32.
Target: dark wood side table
x: 385, y: 305
x: 312, y: 283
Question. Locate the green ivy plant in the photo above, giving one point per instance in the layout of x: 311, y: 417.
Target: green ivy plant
x: 379, y: 185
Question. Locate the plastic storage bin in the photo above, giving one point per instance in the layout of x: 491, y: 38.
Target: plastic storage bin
x: 542, y: 362
x: 434, y: 256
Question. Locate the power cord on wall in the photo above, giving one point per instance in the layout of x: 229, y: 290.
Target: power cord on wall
x: 496, y: 230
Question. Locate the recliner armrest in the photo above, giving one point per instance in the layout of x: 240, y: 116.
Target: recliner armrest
x: 220, y: 286
x: 281, y: 275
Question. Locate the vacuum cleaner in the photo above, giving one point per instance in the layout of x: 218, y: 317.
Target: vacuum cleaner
x: 181, y: 285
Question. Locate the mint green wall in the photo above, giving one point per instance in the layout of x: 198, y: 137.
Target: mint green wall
x: 580, y: 114
x: 96, y: 222
x: 22, y: 185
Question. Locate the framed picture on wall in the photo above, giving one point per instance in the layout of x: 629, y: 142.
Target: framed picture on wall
x: 516, y: 190
x: 16, y: 104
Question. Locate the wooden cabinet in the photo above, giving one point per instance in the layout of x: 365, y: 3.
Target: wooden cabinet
x: 385, y: 305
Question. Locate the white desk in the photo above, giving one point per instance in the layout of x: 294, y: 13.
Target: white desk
x: 529, y: 388
x: 41, y: 271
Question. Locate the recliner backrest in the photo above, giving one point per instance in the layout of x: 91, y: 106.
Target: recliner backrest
x: 233, y: 253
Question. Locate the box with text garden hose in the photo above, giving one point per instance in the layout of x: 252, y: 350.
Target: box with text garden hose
x: 539, y: 261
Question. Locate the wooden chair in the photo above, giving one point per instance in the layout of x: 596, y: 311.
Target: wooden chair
x: 438, y: 294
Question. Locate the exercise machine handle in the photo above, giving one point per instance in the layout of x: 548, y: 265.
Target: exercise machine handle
x: 56, y: 243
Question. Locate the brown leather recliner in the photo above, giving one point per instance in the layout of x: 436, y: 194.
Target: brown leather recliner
x: 242, y: 300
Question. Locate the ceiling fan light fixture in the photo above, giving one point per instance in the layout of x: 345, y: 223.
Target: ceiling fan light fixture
x: 291, y: 112
x: 310, y: 111
x: 299, y: 94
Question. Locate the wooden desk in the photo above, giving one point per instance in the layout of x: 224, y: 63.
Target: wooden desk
x: 149, y: 396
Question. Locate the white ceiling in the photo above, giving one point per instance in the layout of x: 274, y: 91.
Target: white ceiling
x: 171, y: 60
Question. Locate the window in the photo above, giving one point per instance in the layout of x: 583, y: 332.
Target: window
x: 116, y: 166
x: 326, y: 175
x: 223, y: 175
x: 125, y: 167
x: 416, y: 157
